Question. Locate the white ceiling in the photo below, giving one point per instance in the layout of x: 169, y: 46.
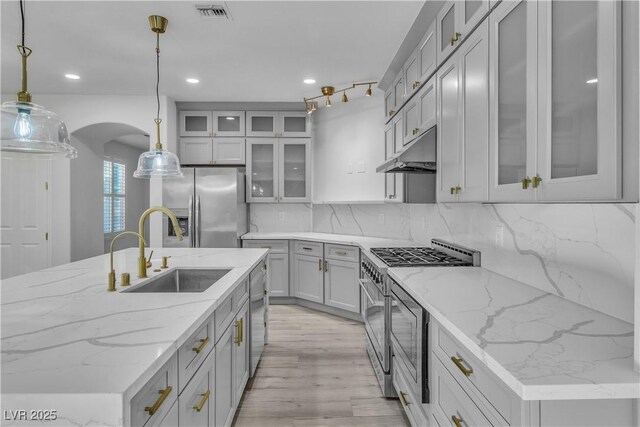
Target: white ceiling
x: 263, y: 54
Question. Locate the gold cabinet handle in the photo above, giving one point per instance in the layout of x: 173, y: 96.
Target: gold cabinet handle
x: 200, y: 405
x: 416, y: 84
x: 236, y: 340
x: 455, y: 38
x: 457, y: 420
x: 326, y: 266
x: 341, y: 253
x: 242, y: 330
x: 457, y: 190
x: 306, y: 248
x: 416, y: 131
x: 163, y: 396
x: 203, y: 343
x: 458, y: 362
x: 391, y: 112
x: 452, y: 190
x: 403, y: 397
x: 525, y: 183
x: 239, y: 331
x: 535, y: 182
x: 319, y: 265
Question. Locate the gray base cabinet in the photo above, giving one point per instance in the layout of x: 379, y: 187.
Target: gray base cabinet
x: 341, y: 285
x: 308, y: 277
x: 196, y: 403
x: 224, y: 390
x: 277, y: 264
x: 241, y: 354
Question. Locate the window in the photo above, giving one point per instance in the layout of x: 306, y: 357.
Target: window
x: 114, y: 196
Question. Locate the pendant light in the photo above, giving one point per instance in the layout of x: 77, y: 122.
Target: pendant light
x: 29, y: 128
x: 158, y: 162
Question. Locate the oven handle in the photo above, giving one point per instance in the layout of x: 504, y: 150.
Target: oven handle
x: 366, y: 292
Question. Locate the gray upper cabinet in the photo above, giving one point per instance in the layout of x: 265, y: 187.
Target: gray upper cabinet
x: 228, y: 123
x: 195, y: 123
x: 279, y: 124
x: 262, y: 123
x: 455, y: 21
x: 411, y: 73
x: 294, y: 124
x: 427, y: 57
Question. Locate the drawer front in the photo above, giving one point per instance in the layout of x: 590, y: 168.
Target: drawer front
x: 194, y: 351
x: 223, y: 316
x: 274, y: 246
x: 154, y: 400
x: 452, y: 400
x: 412, y: 406
x: 308, y: 248
x: 197, y: 400
x: 341, y: 252
x: 240, y: 294
x: 477, y: 376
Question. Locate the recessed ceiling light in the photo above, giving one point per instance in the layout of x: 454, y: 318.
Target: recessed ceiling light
x: 194, y: 81
x: 72, y: 76
x: 592, y: 81
x: 309, y: 81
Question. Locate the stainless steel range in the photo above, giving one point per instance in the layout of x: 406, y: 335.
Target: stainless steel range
x: 378, y: 298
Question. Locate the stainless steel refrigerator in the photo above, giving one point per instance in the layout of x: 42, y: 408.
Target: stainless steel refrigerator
x: 210, y: 206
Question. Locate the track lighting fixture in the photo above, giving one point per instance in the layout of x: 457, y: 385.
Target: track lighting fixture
x: 368, y: 92
x: 328, y: 91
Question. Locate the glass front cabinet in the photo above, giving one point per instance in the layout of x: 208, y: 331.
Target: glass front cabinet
x: 278, y: 124
x: 278, y: 170
x: 555, y: 103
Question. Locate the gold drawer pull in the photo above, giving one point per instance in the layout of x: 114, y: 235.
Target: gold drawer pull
x: 458, y: 362
x: 203, y: 343
x: 163, y: 396
x: 403, y: 397
x: 320, y: 265
x: 239, y: 332
x: 200, y: 405
x: 341, y: 253
x: 457, y: 421
x: 306, y: 248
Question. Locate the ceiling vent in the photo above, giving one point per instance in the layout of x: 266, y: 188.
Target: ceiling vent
x: 213, y: 11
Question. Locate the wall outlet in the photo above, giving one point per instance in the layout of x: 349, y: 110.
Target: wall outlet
x: 500, y: 235
x: 380, y: 218
x: 281, y: 216
x: 361, y: 167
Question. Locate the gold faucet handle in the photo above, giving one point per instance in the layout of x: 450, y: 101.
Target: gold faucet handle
x: 149, y: 264
x: 165, y: 260
x: 125, y: 279
x: 112, y: 281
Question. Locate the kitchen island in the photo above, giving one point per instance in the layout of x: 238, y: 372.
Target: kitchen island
x: 77, y: 354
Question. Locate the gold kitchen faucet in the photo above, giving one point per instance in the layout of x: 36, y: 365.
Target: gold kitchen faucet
x: 142, y: 261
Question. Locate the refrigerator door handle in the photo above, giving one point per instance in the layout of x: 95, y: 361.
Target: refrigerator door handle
x: 197, y: 223
x: 190, y: 223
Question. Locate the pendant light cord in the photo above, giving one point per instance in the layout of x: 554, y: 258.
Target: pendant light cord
x: 158, y: 74
x: 22, y: 17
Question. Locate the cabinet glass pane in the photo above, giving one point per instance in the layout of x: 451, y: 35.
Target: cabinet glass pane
x: 470, y: 8
x: 574, y: 89
x: 295, y: 178
x: 262, y: 170
x: 228, y: 123
x: 512, y: 96
x: 399, y: 91
x: 448, y: 27
x: 295, y: 124
x: 195, y: 123
x: 262, y: 123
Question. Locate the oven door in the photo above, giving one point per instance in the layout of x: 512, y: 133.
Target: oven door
x: 409, y: 338
x: 373, y: 313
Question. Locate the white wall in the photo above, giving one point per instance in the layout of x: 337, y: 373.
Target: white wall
x: 344, y: 137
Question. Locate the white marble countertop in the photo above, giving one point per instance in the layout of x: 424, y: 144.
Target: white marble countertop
x: 64, y: 334
x: 542, y: 346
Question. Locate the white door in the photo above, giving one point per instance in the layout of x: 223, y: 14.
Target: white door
x: 195, y: 123
x: 229, y: 151
x: 448, y: 148
x: 426, y: 98
x: 294, y: 124
x: 262, y: 123
x: 196, y: 151
x: 427, y: 61
x: 279, y: 275
x: 224, y: 389
x: 411, y: 70
x: 196, y: 401
x: 228, y: 123
x: 308, y: 277
x: 262, y: 170
x: 25, y: 216
x: 446, y: 27
x: 473, y: 60
x: 294, y: 170
x: 579, y: 152
x: 241, y: 351
x: 512, y: 101
x: 341, y: 285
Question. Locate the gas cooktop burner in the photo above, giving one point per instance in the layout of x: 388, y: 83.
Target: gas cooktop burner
x: 418, y: 257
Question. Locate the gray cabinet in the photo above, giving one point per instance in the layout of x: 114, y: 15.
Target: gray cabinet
x: 278, y: 124
x: 224, y: 390
x: 212, y: 151
x: 308, y: 277
x: 241, y: 356
x: 196, y: 402
x: 277, y: 264
x: 341, y: 284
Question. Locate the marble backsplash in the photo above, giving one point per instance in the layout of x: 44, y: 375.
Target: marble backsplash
x: 583, y: 252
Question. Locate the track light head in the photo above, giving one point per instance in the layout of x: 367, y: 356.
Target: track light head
x: 368, y: 92
x: 345, y: 98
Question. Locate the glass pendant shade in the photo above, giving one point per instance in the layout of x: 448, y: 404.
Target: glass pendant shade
x: 29, y: 128
x: 158, y: 162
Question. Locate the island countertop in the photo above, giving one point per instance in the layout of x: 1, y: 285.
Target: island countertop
x: 66, y: 341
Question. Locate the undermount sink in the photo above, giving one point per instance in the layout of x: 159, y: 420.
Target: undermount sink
x: 182, y: 280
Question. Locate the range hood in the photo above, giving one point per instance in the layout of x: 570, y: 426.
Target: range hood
x: 417, y: 157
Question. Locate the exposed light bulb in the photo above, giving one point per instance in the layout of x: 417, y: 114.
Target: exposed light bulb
x: 327, y: 103
x: 22, y: 128
x: 368, y: 92
x: 344, y: 97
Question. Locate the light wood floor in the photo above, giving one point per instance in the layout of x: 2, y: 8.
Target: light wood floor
x: 315, y: 372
